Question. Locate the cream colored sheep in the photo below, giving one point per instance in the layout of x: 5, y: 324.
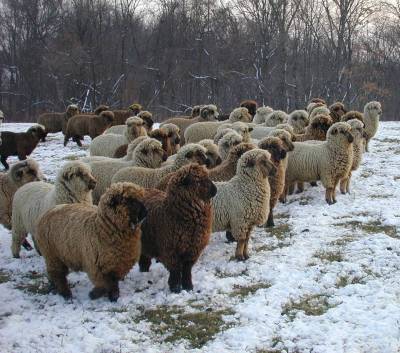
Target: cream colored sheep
x: 275, y: 118
x: 150, y: 178
x: 372, y: 113
x: 121, y: 129
x: 212, y: 153
x: 74, y: 184
x: 147, y: 154
x: 329, y: 161
x: 243, y: 202
x: 259, y: 131
x: 174, y: 135
x: 243, y: 129
x: 227, y: 142
x: 261, y: 114
x: 19, y: 174
x: 106, y: 145
x: 206, y: 130
x: 319, y: 110
x: 298, y: 119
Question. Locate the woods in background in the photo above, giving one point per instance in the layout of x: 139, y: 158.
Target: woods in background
x: 169, y: 55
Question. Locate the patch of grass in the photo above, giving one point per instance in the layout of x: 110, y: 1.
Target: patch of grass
x: 280, y: 231
x: 197, y: 328
x: 329, y: 256
x: 372, y: 227
x: 272, y: 247
x: 381, y: 196
x: 4, y: 277
x: 346, y: 239
x: 222, y: 274
x: 366, y: 173
x: 34, y: 283
x: 245, y: 291
x: 311, y: 305
x: 389, y: 140
x: 71, y: 157
x: 281, y: 216
x: 344, y: 281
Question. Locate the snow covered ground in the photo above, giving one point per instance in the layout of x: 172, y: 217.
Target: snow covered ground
x: 325, y: 279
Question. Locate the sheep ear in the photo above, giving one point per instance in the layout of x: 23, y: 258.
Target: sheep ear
x: 18, y: 174
x: 115, y: 201
x: 189, y: 154
x: 250, y: 163
x: 170, y: 134
x: 145, y: 151
x: 334, y: 131
x: 204, y: 113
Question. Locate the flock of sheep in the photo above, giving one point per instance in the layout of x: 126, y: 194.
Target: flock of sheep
x: 148, y: 193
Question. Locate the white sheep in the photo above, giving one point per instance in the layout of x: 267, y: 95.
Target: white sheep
x: 74, y: 183
x: 372, y: 113
x: 275, y: 118
x: 227, y: 142
x: 298, y: 119
x: 261, y: 114
x: 212, y: 152
x: 243, y: 129
x: 329, y: 161
x: 121, y: 129
x: 150, y: 178
x: 147, y: 154
x: 206, y: 130
x: 243, y: 202
x: 107, y: 144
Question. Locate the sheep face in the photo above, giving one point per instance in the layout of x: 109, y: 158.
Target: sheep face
x: 338, y: 108
x: 236, y: 152
x: 373, y: 108
x: 262, y: 113
x: 72, y: 110
x: 240, y: 114
x: 107, y: 117
x: 357, y: 129
x: 173, y: 132
x: 251, y: 106
x: 212, y: 152
x: 285, y: 138
x: 147, y: 119
x: 122, y: 204
x: 134, y: 126
x: 352, y: 115
x: 77, y: 176
x: 275, y: 118
x: 299, y: 120
x: 340, y: 133
x: 321, y: 122
x: 162, y: 136
x: 209, y: 112
x: 256, y: 162
x: 38, y: 131
x: 196, y: 110
x: 243, y: 130
x: 101, y: 108
x: 135, y: 108
x: 25, y: 172
x: 197, y: 155
x: 153, y: 151
x: 193, y: 181
x: 274, y: 146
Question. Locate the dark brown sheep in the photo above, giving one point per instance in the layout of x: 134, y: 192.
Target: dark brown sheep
x: 120, y: 116
x: 147, y: 119
x: 250, y: 105
x: 56, y: 122
x: 178, y: 224
x: 101, y: 108
x: 85, y: 124
x: 318, y: 100
x: 337, y: 111
x: 317, y: 129
x: 352, y: 114
x: 20, y: 144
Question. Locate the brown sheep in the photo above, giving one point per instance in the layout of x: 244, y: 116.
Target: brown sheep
x: 85, y: 124
x: 178, y: 224
x: 147, y: 119
x: 207, y: 113
x: 250, y: 105
x: 56, y: 122
x: 337, y: 111
x: 120, y: 116
x: 102, y: 241
x: 318, y: 100
x: 352, y: 114
x: 275, y: 147
x: 317, y: 129
x: 101, y: 108
x: 20, y: 144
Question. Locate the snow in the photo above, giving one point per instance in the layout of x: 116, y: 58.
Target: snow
x: 343, y: 259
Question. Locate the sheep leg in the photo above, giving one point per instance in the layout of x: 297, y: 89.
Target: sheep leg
x: 329, y: 196
x: 44, y: 137
x: 57, y: 272
x: 229, y: 237
x: 17, y: 241
x: 104, y: 284
x: 175, y: 279
x: 270, y: 220
x: 144, y: 263
x: 240, y: 254
x: 66, y: 139
x: 291, y: 188
x: 77, y: 140
x: 4, y: 162
x: 343, y: 184
x: 113, y: 291
x: 300, y: 187
x: 187, y: 275
x: 246, y: 246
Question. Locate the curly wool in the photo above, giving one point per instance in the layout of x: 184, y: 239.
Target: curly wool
x: 147, y: 154
x: 174, y: 136
x: 372, y: 113
x: 337, y: 111
x: 329, y: 161
x: 227, y: 142
x: 243, y: 202
x: 317, y: 128
x: 275, y: 118
x: 102, y: 241
x: 74, y: 184
x: 150, y: 178
x: 212, y: 153
x: 298, y: 119
x: 319, y: 110
x: 120, y: 116
x: 19, y: 174
x: 261, y: 115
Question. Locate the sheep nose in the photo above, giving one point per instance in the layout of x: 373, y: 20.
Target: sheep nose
x: 218, y: 161
x: 208, y: 162
x: 92, y: 184
x: 350, y: 137
x: 213, y: 190
x: 165, y: 156
x: 177, y: 141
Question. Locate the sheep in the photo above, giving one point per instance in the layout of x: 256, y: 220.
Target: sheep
x: 243, y: 202
x: 277, y: 150
x: 206, y: 130
x: 207, y: 113
x: 19, y: 174
x: 100, y: 108
x: 337, y: 111
x: 178, y: 224
x: 317, y: 129
x: 20, y: 144
x: 120, y: 116
x: 56, y: 122
x: 260, y: 131
x: 329, y: 161
x: 74, y: 183
x: 174, y: 135
x: 149, y: 178
x: 242, y: 129
x: 229, y: 140
x: 147, y: 154
x: 319, y: 110
x: 107, y: 144
x: 318, y: 100
x: 261, y: 114
x: 275, y: 118
x: 121, y: 129
x: 298, y: 119
x: 352, y: 114
x: 251, y: 106
x: 102, y: 241
x: 372, y: 113
x: 357, y: 130
x: 85, y: 124
x: 212, y: 153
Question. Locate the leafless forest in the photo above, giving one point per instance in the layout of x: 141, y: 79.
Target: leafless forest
x: 171, y: 54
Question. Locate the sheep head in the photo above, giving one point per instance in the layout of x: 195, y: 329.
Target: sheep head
x: 256, y: 162
x: 352, y: 114
x: 340, y: 134
x: 274, y: 146
x: 77, y: 178
x: 25, y: 171
x: 209, y: 112
x: 373, y: 109
x: 240, y: 114
x: 146, y: 116
x: 251, y: 106
x: 152, y: 152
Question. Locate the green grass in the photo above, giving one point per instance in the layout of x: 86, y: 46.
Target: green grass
x: 344, y: 281
x: 372, y: 227
x: 329, y: 256
x: 34, y: 283
x: 245, y: 291
x: 280, y: 231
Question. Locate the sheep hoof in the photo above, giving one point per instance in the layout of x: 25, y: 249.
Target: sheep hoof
x: 96, y: 293
x: 113, y: 295
x: 313, y: 184
x: 229, y: 237
x: 188, y: 287
x: 270, y: 223
x: 26, y: 245
x: 175, y: 288
x: 241, y: 258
